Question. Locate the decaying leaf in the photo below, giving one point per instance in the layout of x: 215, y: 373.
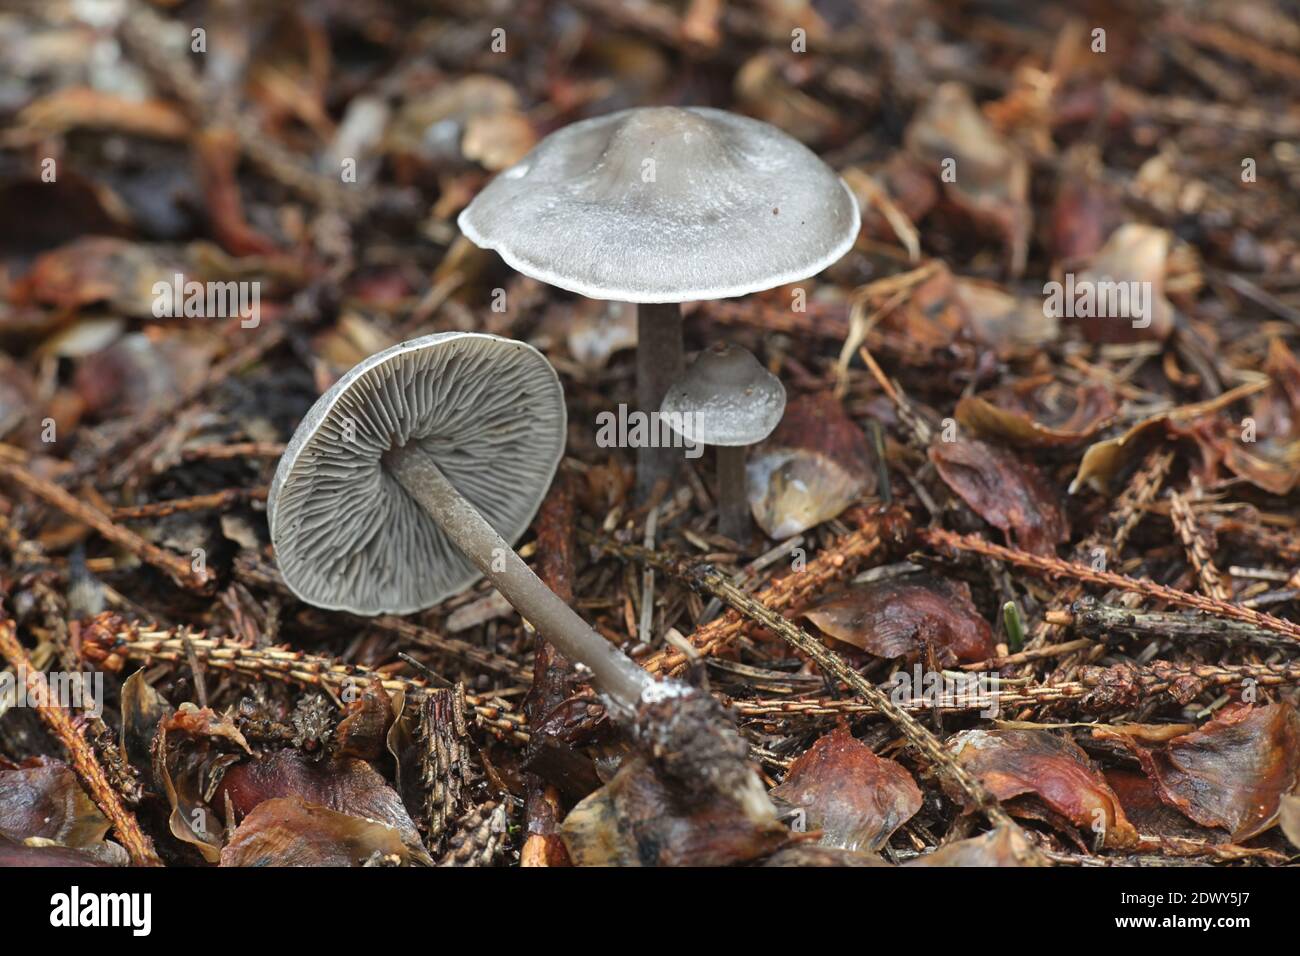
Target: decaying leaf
x: 1004, y: 846
x: 1266, y: 451
x: 901, y: 617
x: 634, y: 820
x: 346, y: 785
x: 1038, y: 413
x: 1232, y: 773
x: 288, y: 831
x: 143, y: 708
x: 813, y: 854
x: 813, y: 466
x: 989, y: 178
x: 1289, y: 817
x: 42, y: 798
x: 1008, y: 493
x: 1055, y: 770
x: 854, y: 797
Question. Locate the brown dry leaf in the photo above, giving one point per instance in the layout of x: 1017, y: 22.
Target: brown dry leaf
x: 1152, y: 816
x: 42, y: 799
x: 143, y: 708
x: 990, y: 181
x: 1103, y: 461
x: 140, y: 371
x: 1271, y: 458
x: 810, y: 469
x: 1008, y: 493
x: 1001, y: 320
x: 363, y: 731
x: 100, y: 269
x: 902, y: 617
x: 635, y: 820
x: 812, y: 854
x: 766, y: 94
x: 854, y: 797
x: 1232, y: 772
x: 1289, y: 817
x: 288, y: 831
x: 1133, y: 257
x: 1038, y: 413
x: 188, y: 767
x: 498, y: 140
x: 437, y: 126
x: 1005, y: 846
x: 346, y: 785
x: 1016, y: 763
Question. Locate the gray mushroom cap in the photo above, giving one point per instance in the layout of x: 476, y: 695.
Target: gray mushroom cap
x: 488, y: 410
x: 661, y: 204
x: 725, y: 398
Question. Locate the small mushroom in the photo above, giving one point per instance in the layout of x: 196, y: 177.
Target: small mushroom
x: 415, y: 473
x: 658, y: 206
x: 729, y: 400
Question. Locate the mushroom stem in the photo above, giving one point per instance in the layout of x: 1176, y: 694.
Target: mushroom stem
x: 733, y: 502
x: 659, y: 363
x: 614, y: 673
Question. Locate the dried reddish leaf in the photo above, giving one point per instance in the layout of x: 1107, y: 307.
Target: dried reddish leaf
x: 900, y: 617
x: 1149, y: 814
x: 1013, y: 763
x: 288, y: 831
x: 347, y: 785
x: 1005, y: 846
x: 635, y: 820
x: 1008, y: 493
x: 1267, y: 454
x: 43, y: 799
x: 813, y: 466
x: 854, y: 797
x: 1232, y: 772
x: 1134, y: 256
x: 1038, y: 413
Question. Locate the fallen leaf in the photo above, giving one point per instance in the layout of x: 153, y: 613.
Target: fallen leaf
x: 1034, y: 413
x: 288, y: 831
x: 1016, y: 763
x: 1008, y: 493
x: 813, y: 466
x: 1005, y: 846
x: 1232, y: 772
x: 854, y: 797
x: 900, y: 617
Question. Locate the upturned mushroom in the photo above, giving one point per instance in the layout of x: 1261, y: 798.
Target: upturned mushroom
x: 659, y: 206
x: 412, y: 477
x: 728, y: 400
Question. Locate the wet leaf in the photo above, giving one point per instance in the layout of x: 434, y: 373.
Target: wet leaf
x: 1232, y: 772
x: 1008, y: 493
x: 346, y: 785
x: 1267, y: 452
x: 1038, y: 413
x: 1016, y: 763
x: 288, y: 831
x: 900, y: 617
x: 42, y: 798
x: 813, y: 466
x: 635, y: 820
x: 1005, y: 846
x: 854, y: 797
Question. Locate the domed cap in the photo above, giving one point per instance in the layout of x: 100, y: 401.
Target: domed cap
x: 488, y: 410
x: 725, y: 398
x: 666, y: 205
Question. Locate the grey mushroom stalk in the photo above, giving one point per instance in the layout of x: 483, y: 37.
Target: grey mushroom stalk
x: 659, y: 206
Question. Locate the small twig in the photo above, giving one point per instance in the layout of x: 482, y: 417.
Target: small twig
x: 87, y: 768
x: 1090, y: 616
x: 1058, y: 568
x: 214, y: 501
x: 1198, y: 552
x: 705, y: 578
x: 181, y: 571
x: 110, y: 642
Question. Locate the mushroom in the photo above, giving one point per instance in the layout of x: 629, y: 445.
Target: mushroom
x: 727, y: 399
x: 659, y: 206
x: 412, y: 477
